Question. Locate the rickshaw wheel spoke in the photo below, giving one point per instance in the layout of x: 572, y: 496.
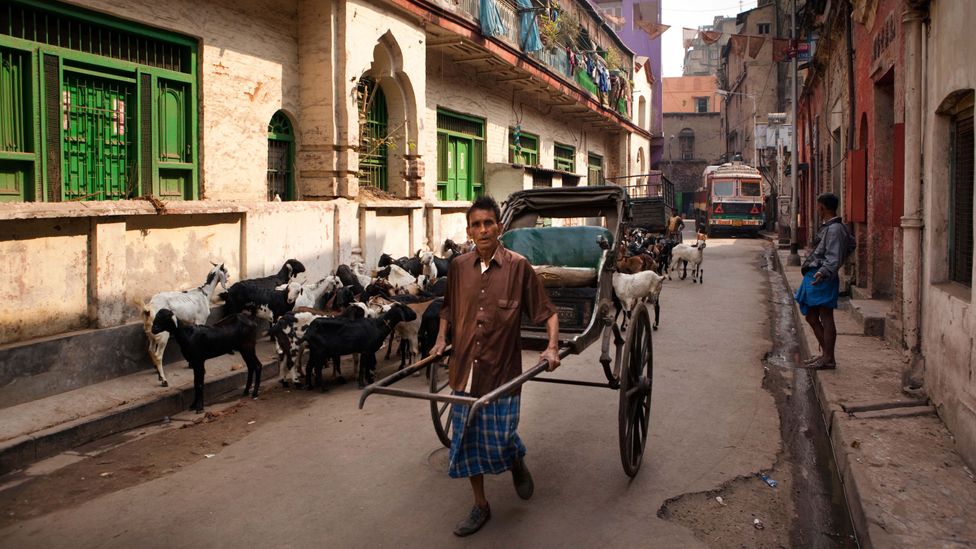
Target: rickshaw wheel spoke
x: 635, y: 391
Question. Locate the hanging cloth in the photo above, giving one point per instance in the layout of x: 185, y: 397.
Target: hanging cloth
x: 491, y: 20
x: 529, y: 29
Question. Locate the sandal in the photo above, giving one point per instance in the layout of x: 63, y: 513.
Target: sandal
x: 820, y: 364
x: 812, y: 359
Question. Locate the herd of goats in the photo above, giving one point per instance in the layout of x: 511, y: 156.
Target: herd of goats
x: 354, y: 312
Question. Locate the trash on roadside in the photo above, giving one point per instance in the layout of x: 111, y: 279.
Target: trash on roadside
x: 856, y: 444
x: 252, y: 422
x: 166, y: 419
x: 105, y: 474
x: 236, y: 367
x: 758, y: 524
x: 208, y: 456
x: 720, y: 500
x: 765, y: 478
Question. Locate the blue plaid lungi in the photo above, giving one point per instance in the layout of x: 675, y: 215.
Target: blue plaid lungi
x: 490, y: 444
x: 823, y: 294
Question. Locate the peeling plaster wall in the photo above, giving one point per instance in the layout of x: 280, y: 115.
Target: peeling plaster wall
x: 948, y: 314
x: 303, y: 231
x: 44, y: 287
x: 248, y: 66
x: 175, y: 252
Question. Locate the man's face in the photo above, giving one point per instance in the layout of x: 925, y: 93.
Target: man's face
x: 483, y: 229
x: 822, y: 211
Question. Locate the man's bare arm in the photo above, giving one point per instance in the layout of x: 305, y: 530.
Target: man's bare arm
x: 441, y: 342
x: 552, y: 351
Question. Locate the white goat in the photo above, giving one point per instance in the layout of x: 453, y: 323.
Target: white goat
x: 687, y: 253
x: 362, y: 273
x: 399, y: 277
x: 428, y: 266
x: 309, y: 295
x: 189, y: 306
x: 629, y: 289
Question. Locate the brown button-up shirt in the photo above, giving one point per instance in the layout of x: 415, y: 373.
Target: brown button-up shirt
x: 484, y: 311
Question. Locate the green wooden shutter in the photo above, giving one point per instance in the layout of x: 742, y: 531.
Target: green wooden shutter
x: 961, y: 201
x: 595, y: 169
x: 16, y: 151
x: 174, y: 149
x: 565, y: 158
x: 460, y: 156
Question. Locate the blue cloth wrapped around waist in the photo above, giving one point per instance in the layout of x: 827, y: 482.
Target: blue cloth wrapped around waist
x: 823, y: 294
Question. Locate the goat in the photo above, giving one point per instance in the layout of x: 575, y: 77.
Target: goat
x: 430, y: 325
x: 271, y: 302
x: 309, y: 294
x: 633, y: 264
x: 288, y: 271
x: 438, y: 287
x: 287, y: 334
x: 694, y: 254
x: 440, y: 265
x: 410, y: 264
x: 628, y: 289
x: 399, y: 277
x: 189, y: 306
x: 407, y: 331
x: 349, y: 278
x: 198, y: 343
x: 359, y: 269
x: 328, y: 337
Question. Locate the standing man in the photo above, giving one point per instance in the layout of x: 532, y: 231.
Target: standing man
x: 488, y: 290
x: 675, y: 225
x: 817, y: 295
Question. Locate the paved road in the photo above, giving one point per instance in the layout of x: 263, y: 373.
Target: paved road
x: 330, y: 475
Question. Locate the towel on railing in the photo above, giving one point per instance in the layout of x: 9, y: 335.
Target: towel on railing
x: 529, y: 27
x: 491, y: 20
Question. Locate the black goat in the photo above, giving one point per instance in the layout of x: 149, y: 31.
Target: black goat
x: 271, y: 303
x: 349, y: 278
x: 438, y: 287
x: 258, y: 290
x: 329, y: 337
x: 198, y: 343
x: 410, y: 264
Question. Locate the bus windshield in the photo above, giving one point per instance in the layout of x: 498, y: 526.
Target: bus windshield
x: 749, y: 188
x: 723, y: 188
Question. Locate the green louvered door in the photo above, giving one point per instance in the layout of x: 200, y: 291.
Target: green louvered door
x: 16, y: 152
x: 98, y: 151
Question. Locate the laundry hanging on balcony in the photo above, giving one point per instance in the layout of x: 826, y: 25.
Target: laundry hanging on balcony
x: 529, y: 28
x: 491, y: 20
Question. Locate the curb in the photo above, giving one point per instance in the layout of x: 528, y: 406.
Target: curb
x: 24, y: 450
x: 848, y: 476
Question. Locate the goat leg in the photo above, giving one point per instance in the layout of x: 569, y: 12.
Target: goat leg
x: 389, y: 347
x: 657, y: 313
x: 198, y: 372
x: 254, y: 368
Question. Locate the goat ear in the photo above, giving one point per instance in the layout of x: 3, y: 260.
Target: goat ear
x: 212, y: 263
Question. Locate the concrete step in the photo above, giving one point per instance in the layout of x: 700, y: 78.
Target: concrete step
x: 871, y: 314
x: 46, y: 426
x: 39, y: 368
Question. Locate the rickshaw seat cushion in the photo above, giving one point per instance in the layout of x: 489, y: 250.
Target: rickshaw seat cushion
x: 558, y: 246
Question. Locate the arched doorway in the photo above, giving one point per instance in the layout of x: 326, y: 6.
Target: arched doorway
x: 281, y: 158
x: 373, y: 128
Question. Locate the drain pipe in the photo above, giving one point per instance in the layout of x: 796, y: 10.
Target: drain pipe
x: 912, y: 221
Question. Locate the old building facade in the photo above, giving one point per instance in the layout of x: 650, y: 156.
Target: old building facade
x: 691, y: 94
x: 144, y: 146
x: 886, y: 123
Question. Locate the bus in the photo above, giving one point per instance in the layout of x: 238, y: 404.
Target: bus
x: 730, y: 200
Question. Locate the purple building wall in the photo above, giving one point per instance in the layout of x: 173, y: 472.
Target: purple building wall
x: 641, y: 44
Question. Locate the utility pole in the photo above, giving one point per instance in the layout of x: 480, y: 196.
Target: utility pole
x: 794, y: 258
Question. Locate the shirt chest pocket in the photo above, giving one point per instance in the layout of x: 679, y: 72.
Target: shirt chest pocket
x: 507, y: 312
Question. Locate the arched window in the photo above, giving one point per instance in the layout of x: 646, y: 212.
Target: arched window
x: 281, y: 158
x: 642, y: 112
x: 686, y: 138
x: 373, y: 142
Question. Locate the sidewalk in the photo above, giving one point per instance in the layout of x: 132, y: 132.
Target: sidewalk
x: 904, y: 483
x: 44, y: 427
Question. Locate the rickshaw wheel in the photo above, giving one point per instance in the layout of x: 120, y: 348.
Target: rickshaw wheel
x: 635, y: 390
x: 440, y: 412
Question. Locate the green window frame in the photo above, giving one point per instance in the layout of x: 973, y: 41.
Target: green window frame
x: 460, y: 156
x: 374, y: 143
x: 526, y: 152
x: 594, y: 174
x: 281, y: 158
x: 564, y: 158
x: 94, y: 107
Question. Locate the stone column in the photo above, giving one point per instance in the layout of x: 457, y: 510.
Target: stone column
x: 912, y: 221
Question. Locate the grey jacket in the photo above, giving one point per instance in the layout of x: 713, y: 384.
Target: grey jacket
x: 830, y: 246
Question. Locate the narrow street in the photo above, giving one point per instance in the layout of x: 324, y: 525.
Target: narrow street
x: 298, y: 469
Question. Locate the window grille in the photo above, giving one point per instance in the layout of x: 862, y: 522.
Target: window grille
x: 526, y: 152
x: 565, y: 158
x: 373, y: 137
x: 961, y: 201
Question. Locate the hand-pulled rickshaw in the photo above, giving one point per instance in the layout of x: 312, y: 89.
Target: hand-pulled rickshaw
x: 576, y: 266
